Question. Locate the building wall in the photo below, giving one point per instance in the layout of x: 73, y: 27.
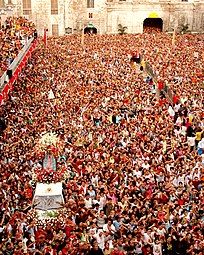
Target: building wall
x: 73, y: 15
x: 132, y: 14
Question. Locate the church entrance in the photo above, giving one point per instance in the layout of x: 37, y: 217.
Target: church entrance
x: 90, y: 30
x: 151, y: 25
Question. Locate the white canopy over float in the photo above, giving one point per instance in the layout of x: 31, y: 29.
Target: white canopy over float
x: 48, y: 196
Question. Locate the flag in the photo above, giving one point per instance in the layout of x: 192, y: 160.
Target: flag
x: 82, y: 37
x: 174, y: 36
x: 45, y: 37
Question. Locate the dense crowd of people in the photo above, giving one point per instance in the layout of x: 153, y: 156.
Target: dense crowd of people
x: 152, y: 30
x: 14, y: 33
x: 133, y: 154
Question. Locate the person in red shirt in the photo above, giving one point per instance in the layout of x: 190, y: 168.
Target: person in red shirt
x: 181, y: 201
x: 50, y: 250
x: 117, y: 252
x: 196, y: 182
x: 160, y: 85
x: 175, y: 99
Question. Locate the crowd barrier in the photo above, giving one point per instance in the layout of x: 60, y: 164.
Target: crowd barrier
x: 10, y: 76
x: 166, y: 90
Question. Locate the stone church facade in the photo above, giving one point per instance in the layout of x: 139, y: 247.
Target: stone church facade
x: 72, y: 16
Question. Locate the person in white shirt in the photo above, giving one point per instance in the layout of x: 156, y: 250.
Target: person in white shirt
x: 88, y: 201
x: 179, y: 121
x: 145, y: 165
x: 94, y: 180
x: 138, y: 247
x: 93, y: 229
x: 109, y: 228
x: 137, y: 173
x: 101, y: 219
x: 161, y: 231
x: 100, y: 238
x: 177, y: 107
x: 196, y: 173
x: 191, y: 141
x: 157, y: 248
x: 201, y: 144
x: 146, y: 237
x: 171, y: 111
x: 181, y: 179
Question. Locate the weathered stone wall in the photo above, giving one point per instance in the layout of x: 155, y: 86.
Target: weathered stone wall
x: 107, y: 14
x: 133, y: 13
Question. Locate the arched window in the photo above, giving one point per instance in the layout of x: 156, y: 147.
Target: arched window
x: 54, y: 6
x: 26, y: 7
x: 2, y: 4
x: 90, y: 3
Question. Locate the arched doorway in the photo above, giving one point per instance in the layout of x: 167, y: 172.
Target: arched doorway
x: 90, y: 30
x: 151, y: 25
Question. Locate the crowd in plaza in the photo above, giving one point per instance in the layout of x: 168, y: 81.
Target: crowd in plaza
x: 14, y: 33
x: 133, y: 154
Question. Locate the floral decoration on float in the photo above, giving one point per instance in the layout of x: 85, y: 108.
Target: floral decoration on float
x: 49, y: 175
x: 49, y: 143
x: 53, y: 217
